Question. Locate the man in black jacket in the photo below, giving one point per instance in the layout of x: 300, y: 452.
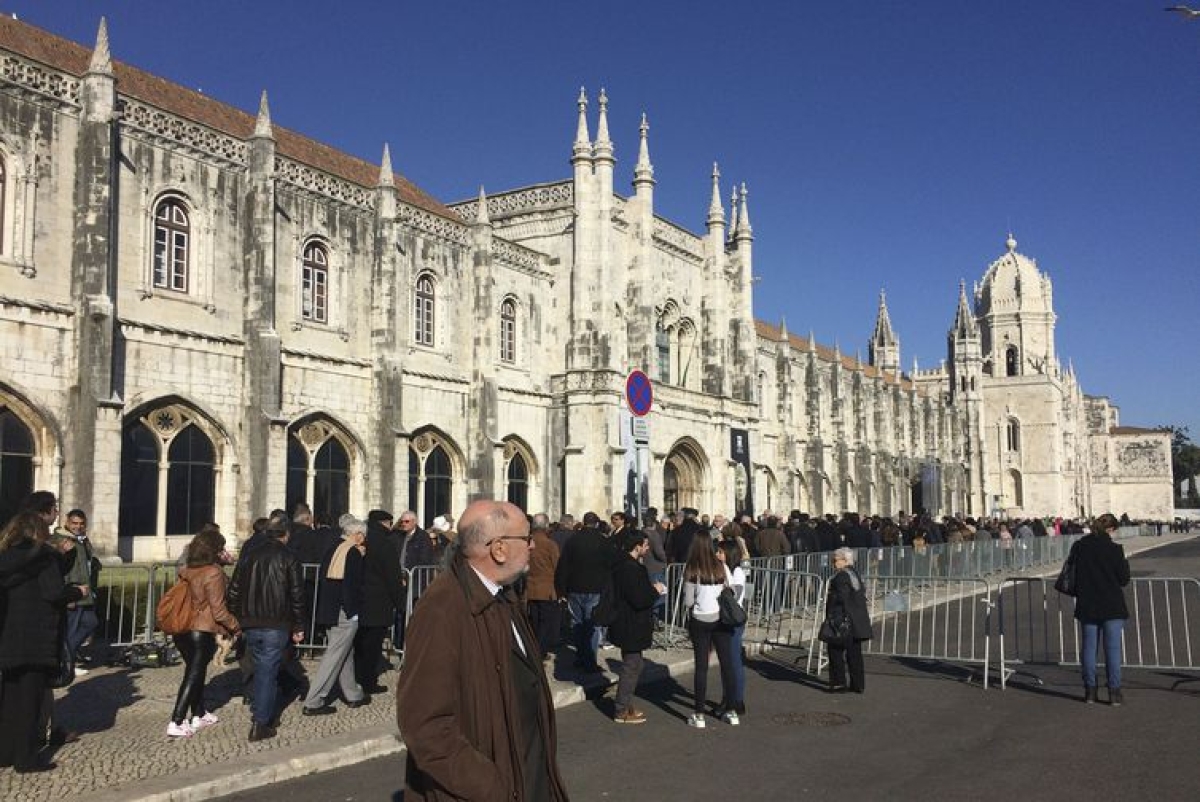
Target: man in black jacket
x: 383, y: 594
x: 267, y: 596
x: 583, y: 570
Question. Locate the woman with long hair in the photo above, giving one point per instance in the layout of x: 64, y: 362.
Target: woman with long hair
x: 31, y: 636
x: 732, y: 555
x: 704, y: 577
x: 206, y: 584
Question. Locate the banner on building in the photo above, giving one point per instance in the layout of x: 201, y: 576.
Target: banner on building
x: 743, y: 474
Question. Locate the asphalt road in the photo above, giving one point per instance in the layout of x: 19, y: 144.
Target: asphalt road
x: 922, y: 731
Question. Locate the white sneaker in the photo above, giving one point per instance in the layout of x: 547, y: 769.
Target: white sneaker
x: 732, y: 719
x: 207, y: 720
x: 696, y: 720
x: 183, y: 730
x: 81, y: 672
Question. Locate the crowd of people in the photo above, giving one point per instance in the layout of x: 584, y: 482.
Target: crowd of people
x: 595, y: 584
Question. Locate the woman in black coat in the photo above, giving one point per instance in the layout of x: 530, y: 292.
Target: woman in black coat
x: 847, y: 600
x: 633, y: 628
x: 33, y: 611
x: 1101, y: 570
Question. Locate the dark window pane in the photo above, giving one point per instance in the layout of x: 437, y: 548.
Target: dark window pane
x: 15, y: 437
x: 297, y: 473
x: 16, y: 482
x: 414, y: 471
x: 190, y: 482
x: 518, y: 482
x: 437, y: 484
x: 139, y: 481
x: 332, y: 482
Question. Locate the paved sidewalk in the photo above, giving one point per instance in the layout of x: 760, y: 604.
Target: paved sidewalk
x: 124, y: 754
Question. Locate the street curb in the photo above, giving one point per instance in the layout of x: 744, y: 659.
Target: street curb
x: 288, y: 763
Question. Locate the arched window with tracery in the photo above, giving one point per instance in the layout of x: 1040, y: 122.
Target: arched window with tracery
x: 508, y: 330
x: 430, y: 477
x: 172, y: 235
x: 314, y: 283
x: 16, y: 464
x: 318, y: 468
x: 173, y: 494
x: 423, y: 310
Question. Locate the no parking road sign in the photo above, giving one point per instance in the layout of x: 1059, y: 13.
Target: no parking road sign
x: 639, y: 393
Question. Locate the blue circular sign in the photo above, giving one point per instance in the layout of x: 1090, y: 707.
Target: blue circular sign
x: 639, y: 393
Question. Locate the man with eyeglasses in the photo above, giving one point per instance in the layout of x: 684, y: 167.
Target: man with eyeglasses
x: 473, y: 704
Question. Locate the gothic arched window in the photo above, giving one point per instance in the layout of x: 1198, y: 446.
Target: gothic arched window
x: 16, y: 464
x: 662, y: 342
x: 508, y: 330
x: 437, y: 484
x: 172, y: 496
x: 1014, y: 435
x: 172, y: 231
x: 517, y: 478
x: 423, y: 311
x: 314, y: 283
x: 190, y: 485
x: 318, y: 469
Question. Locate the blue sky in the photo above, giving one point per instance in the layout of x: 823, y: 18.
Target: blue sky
x: 884, y: 144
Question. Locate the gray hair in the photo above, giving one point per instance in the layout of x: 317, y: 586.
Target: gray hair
x: 844, y: 554
x: 353, y: 526
x: 540, y: 523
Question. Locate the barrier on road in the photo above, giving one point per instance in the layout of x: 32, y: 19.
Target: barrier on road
x: 1037, y: 625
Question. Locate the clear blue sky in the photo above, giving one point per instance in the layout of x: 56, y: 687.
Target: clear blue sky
x: 885, y: 144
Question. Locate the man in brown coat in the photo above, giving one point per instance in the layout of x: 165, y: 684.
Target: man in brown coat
x: 545, y: 608
x: 472, y: 703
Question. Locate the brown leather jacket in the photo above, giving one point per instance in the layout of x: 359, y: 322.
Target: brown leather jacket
x: 543, y: 562
x: 207, y: 584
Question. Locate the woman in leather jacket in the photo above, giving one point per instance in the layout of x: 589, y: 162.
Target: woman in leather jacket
x: 206, y: 584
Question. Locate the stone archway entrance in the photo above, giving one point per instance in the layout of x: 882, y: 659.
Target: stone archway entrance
x: 683, y: 477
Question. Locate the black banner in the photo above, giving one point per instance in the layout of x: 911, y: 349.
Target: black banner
x: 743, y: 474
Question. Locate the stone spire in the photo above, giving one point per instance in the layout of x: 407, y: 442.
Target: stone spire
x: 812, y: 342
x: 964, y: 320
x: 481, y: 210
x: 386, y: 179
x: 262, y: 125
x: 884, y: 348
x: 744, y: 231
x: 101, y: 62
x: 643, y: 172
x: 583, y: 145
x: 716, y: 212
x: 602, y: 148
x: 783, y: 332
x: 883, y: 324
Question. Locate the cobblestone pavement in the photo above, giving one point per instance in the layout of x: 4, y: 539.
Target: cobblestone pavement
x: 123, y: 752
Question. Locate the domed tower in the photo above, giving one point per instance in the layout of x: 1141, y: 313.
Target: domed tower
x: 1015, y: 308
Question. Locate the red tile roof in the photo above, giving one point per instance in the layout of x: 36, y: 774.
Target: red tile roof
x: 1136, y: 430
x: 770, y: 332
x: 62, y: 54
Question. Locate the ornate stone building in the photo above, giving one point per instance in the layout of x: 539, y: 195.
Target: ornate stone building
x: 204, y: 316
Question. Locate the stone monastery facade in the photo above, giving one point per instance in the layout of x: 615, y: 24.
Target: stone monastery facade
x: 204, y: 316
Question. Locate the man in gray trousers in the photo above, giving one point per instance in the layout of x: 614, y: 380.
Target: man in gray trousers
x: 339, y: 599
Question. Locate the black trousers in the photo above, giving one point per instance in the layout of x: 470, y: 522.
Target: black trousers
x: 368, y: 651
x: 839, y: 657
x: 546, y: 618
x: 23, y: 696
x: 705, y: 636
x: 197, y: 650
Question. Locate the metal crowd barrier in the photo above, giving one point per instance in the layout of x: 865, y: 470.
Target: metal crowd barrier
x: 1037, y: 625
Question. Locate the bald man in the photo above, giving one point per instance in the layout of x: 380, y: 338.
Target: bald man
x: 472, y: 703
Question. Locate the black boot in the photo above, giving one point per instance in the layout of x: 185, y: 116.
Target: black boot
x: 261, y: 732
x: 1089, y: 694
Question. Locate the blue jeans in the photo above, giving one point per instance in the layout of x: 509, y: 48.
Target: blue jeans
x: 267, y: 646
x: 81, y: 622
x: 1112, y: 650
x: 660, y: 606
x: 739, y: 667
x: 587, y: 637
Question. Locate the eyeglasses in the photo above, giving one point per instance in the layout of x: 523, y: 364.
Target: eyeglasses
x: 527, y: 538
